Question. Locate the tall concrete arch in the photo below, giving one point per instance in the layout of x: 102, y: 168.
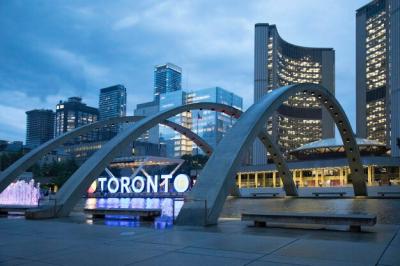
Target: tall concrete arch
x: 12, y: 172
x: 224, y: 161
x: 71, y: 192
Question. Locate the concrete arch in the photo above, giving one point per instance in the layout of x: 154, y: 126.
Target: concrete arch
x: 12, y: 172
x: 71, y: 192
x: 225, y: 159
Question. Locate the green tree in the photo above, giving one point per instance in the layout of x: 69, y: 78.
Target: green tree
x: 193, y: 162
x: 7, y: 159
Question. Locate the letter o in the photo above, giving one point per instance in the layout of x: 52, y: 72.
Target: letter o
x: 133, y: 184
x: 181, y: 183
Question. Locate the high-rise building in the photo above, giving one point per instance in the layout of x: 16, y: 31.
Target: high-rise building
x: 167, y: 78
x: 277, y: 63
x: 112, y: 103
x: 176, y: 144
x: 211, y: 125
x: 145, y: 109
x: 72, y: 114
x: 378, y: 73
x: 39, y: 127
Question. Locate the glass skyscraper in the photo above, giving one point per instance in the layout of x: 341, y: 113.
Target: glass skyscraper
x: 277, y: 63
x: 211, y: 125
x: 145, y: 109
x: 378, y: 73
x: 167, y: 78
x: 168, y: 93
x: 39, y: 127
x: 112, y: 103
x: 176, y: 144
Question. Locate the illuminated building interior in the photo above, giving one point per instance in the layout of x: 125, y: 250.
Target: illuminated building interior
x: 291, y: 68
x: 300, y: 119
x: 376, y: 76
x: 323, y: 164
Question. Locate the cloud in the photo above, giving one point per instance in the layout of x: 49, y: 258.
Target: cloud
x: 78, y: 63
x: 126, y: 22
x: 52, y: 51
x: 12, y: 118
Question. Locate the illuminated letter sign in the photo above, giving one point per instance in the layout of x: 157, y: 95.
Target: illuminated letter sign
x: 139, y: 184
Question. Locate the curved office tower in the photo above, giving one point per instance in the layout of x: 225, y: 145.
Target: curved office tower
x: 301, y: 119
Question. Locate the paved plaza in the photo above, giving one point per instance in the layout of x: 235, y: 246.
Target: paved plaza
x: 72, y: 242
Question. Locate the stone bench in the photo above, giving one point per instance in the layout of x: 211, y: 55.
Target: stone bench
x: 340, y: 193
x: 389, y: 193
x: 354, y: 221
x: 256, y: 194
x: 146, y: 214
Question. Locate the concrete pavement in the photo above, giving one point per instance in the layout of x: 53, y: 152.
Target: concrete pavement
x: 69, y: 241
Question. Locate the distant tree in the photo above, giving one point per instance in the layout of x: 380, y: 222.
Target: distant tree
x: 62, y: 171
x: 193, y: 162
x: 58, y: 172
x: 7, y: 159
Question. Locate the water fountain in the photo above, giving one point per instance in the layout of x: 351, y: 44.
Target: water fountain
x: 21, y: 193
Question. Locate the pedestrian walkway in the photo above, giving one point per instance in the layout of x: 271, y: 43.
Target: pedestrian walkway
x: 232, y: 242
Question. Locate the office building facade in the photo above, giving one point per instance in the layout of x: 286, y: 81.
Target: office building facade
x: 39, y: 127
x: 146, y: 109
x: 74, y: 113
x: 278, y: 63
x: 378, y: 73
x: 112, y: 103
x: 211, y: 125
x: 176, y: 143
x: 167, y: 78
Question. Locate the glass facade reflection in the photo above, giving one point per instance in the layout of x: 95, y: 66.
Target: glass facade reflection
x: 167, y: 78
x: 211, y: 125
x: 112, y: 103
x: 176, y: 143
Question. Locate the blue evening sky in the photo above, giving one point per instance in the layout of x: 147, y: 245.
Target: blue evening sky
x: 51, y: 50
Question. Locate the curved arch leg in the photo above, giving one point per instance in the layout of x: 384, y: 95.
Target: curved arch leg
x: 226, y: 158
x: 284, y: 172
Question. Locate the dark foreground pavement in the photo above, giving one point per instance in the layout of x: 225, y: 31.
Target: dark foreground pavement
x: 65, y: 242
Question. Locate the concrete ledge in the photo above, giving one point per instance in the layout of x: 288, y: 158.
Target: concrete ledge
x: 354, y: 221
x: 147, y: 214
x: 45, y: 212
